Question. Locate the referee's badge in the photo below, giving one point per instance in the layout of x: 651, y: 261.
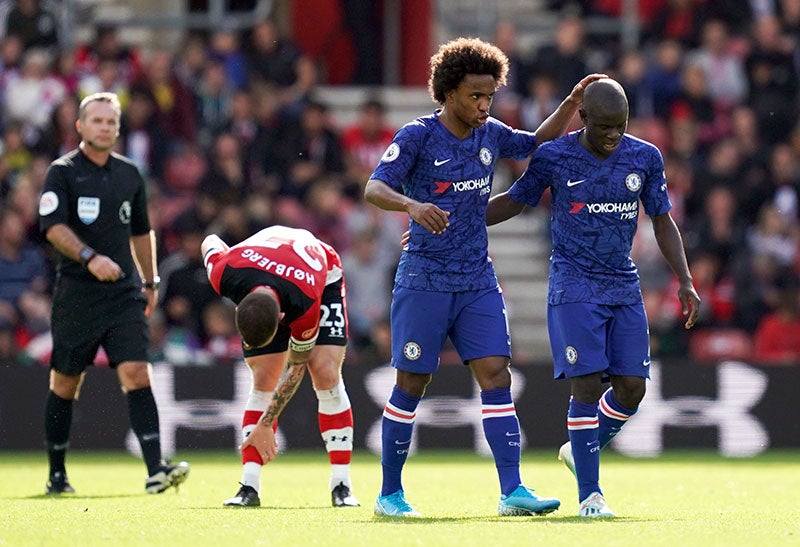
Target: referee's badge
x: 125, y: 212
x: 88, y: 209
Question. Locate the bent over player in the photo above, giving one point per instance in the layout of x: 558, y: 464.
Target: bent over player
x: 290, y: 295
x: 93, y: 210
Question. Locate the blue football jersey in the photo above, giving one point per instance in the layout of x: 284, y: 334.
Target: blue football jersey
x: 594, y: 216
x: 426, y: 162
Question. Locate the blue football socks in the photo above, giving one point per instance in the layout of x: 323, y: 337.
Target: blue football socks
x: 612, y: 416
x: 501, y: 427
x: 582, y: 426
x: 396, y: 428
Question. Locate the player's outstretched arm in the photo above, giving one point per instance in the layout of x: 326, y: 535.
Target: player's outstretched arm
x: 671, y: 245
x: 557, y: 123
x: 428, y: 215
x: 501, y: 207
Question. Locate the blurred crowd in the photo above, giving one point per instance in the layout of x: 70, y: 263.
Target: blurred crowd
x: 230, y: 135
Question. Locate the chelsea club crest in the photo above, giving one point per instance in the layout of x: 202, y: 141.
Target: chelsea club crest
x: 633, y: 182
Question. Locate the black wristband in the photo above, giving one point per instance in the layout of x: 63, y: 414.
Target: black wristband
x: 86, y: 255
x: 153, y: 285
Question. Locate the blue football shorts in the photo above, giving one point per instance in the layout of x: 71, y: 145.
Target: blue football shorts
x: 475, y: 321
x: 587, y: 338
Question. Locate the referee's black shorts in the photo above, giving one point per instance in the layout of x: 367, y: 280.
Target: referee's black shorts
x: 87, y: 316
x: 332, y: 324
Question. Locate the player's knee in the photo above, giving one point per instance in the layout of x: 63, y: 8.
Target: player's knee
x: 629, y: 391
x: 134, y: 375
x: 413, y: 384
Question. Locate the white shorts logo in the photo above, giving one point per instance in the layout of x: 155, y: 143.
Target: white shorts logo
x: 412, y: 351
x: 48, y: 203
x: 88, y: 209
x: 572, y: 355
x: 392, y: 153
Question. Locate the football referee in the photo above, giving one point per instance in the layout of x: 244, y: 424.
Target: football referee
x: 93, y: 210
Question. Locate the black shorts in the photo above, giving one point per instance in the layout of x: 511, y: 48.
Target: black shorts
x: 84, y: 320
x: 332, y: 324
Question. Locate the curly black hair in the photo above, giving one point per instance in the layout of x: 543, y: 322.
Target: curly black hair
x: 457, y: 58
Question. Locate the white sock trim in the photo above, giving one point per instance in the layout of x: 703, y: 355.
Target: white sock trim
x: 334, y: 400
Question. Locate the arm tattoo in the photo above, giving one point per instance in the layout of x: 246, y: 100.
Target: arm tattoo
x: 284, y: 392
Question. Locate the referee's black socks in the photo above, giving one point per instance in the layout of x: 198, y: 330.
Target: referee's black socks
x: 57, y: 422
x: 143, y: 415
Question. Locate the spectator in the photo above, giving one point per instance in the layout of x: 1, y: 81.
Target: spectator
x: 328, y: 209
x: 225, y: 49
x: 632, y: 69
x: 716, y: 228
x: 144, y: 137
x: 226, y: 179
x: 777, y: 337
x: 757, y: 279
x: 774, y: 235
x: 784, y: 174
x: 724, y: 70
x: 540, y: 100
x: 191, y: 60
x: 10, y: 354
x: 773, y: 79
x: 35, y: 22
x: 187, y: 295
x: 23, y: 266
x: 107, y: 77
x: 664, y: 76
x: 214, y: 96
x: 272, y: 58
x: 364, y: 142
x: 108, y: 46
x: 241, y: 121
x: 60, y: 136
x: 369, y: 286
x: 14, y: 155
x: 308, y: 150
x: 676, y: 20
x: 695, y: 102
x: 564, y: 59
x: 175, y: 101
x: 506, y: 103
x: 32, y: 95
x: 223, y: 343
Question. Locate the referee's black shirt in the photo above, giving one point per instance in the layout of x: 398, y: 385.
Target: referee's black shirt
x: 103, y: 205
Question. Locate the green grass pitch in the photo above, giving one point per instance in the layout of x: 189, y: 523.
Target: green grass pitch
x: 680, y: 499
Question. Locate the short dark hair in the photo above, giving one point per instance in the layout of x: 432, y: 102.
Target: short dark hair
x: 457, y: 58
x: 257, y: 318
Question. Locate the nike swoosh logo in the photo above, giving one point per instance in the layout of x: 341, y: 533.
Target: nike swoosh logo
x: 402, y: 442
x: 646, y: 363
x: 437, y: 163
x: 509, y: 434
x: 575, y: 182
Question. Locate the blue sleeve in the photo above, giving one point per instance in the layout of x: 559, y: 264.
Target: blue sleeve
x: 528, y: 189
x: 515, y: 143
x: 654, y: 197
x: 400, y: 157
